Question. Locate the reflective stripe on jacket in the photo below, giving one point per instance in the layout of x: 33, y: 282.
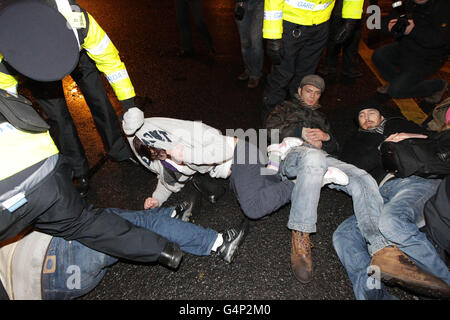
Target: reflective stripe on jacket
x: 304, y: 12
x: 100, y: 48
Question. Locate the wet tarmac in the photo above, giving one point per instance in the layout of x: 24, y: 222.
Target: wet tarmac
x: 206, y: 88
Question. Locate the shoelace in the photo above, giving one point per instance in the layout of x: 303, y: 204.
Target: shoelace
x: 230, y: 234
x: 302, y: 243
x: 181, y: 207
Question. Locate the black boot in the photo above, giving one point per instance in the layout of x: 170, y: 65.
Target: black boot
x: 208, y: 187
x: 171, y: 255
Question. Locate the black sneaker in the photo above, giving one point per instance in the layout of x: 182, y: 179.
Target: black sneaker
x: 232, y: 239
x: 184, y: 210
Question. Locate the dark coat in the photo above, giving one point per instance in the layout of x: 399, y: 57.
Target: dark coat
x: 361, y: 149
x: 292, y: 116
x: 429, y: 41
x: 437, y: 218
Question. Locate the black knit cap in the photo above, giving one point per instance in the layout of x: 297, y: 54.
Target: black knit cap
x: 371, y: 104
x: 36, y: 40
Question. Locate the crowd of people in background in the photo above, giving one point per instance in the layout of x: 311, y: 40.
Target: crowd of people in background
x: 396, y: 235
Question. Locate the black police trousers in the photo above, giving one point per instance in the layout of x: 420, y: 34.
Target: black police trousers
x: 55, y: 207
x: 349, y: 47
x: 303, y: 47
x: 182, y: 11
x: 50, y: 96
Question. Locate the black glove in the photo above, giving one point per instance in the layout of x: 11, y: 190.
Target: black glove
x: 345, y: 31
x: 275, y: 50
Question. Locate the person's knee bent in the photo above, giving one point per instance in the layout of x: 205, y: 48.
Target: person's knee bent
x: 252, y: 210
x: 313, y: 160
x: 360, y: 181
x: 379, y: 57
x: 392, y: 225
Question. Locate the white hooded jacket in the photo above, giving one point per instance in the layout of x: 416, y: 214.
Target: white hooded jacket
x: 205, y: 150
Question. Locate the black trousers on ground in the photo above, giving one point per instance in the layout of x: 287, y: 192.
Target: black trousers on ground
x: 182, y: 10
x: 55, y: 207
x: 301, y: 57
x: 258, y: 194
x: 50, y: 96
x: 407, y: 76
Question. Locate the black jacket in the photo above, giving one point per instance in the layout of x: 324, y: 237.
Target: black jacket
x: 361, y: 149
x: 292, y: 116
x: 429, y: 40
x: 437, y: 218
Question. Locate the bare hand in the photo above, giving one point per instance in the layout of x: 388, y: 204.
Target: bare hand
x: 391, y: 24
x: 316, y: 135
x: 397, y: 137
x: 151, y: 203
x: 409, y: 27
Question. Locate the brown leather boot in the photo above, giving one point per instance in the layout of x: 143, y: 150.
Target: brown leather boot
x: 301, y: 261
x: 397, y: 269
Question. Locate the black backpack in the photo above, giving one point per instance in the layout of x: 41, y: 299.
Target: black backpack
x: 427, y: 158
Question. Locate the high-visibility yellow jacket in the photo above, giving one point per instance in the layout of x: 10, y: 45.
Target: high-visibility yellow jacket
x: 99, y: 47
x: 304, y: 12
x: 21, y: 149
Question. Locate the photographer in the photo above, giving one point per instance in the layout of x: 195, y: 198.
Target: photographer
x: 422, y: 47
x: 249, y: 15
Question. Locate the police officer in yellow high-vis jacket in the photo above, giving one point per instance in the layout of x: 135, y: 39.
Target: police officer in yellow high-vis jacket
x: 296, y: 33
x: 30, y: 45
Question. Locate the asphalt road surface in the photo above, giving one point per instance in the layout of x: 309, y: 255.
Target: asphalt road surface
x: 205, y: 88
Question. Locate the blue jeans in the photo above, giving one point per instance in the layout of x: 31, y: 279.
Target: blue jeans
x: 250, y: 33
x: 402, y: 216
x: 72, y: 269
x: 351, y: 249
x: 308, y: 165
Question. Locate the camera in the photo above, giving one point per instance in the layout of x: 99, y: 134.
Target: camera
x: 239, y: 11
x: 402, y: 15
x: 400, y: 26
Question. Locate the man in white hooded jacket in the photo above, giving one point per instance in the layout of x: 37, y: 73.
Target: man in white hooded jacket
x: 190, y: 147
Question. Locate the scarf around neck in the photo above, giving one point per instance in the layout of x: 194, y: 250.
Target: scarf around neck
x: 378, y: 129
